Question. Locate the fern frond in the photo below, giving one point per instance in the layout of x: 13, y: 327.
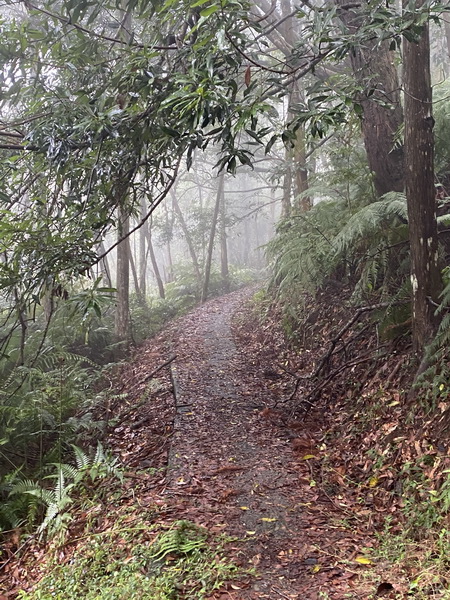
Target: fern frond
x: 23, y: 486
x: 82, y: 459
x: 46, y: 497
x: 371, y: 221
x: 99, y: 457
x: 183, y: 537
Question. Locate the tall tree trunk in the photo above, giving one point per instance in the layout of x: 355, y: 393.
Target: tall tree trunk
x: 137, y: 289
x: 286, y: 205
x: 446, y: 18
x: 104, y: 266
x: 303, y: 201
x: 187, y: 237
x: 122, y: 323
x: 420, y: 191
x: 143, y: 251
x: 224, y: 268
x: 298, y: 155
x: 203, y: 236
x: 211, y: 239
x: 156, y: 271
x: 374, y: 69
x: 122, y: 317
x: 169, y: 229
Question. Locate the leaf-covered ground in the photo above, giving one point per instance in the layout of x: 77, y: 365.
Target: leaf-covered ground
x: 209, y: 432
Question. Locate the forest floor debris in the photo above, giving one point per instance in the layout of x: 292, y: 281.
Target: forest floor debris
x: 215, y: 438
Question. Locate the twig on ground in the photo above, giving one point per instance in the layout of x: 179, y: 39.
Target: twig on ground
x: 145, y: 399
x: 332, y: 349
x: 312, y: 396
x: 153, y: 373
x: 360, y: 311
x: 21, y: 547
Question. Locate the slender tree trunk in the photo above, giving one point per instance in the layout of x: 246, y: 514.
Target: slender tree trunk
x: 21, y: 315
x: 169, y: 229
x: 122, y: 324
x: 303, y: 201
x: 203, y: 236
x: 287, y: 186
x: 156, y: 271
x: 420, y: 191
x: 224, y: 268
x: 211, y: 239
x: 246, y: 247
x: 446, y: 18
x: 143, y: 251
x: 122, y: 320
x: 104, y: 266
x: 187, y: 237
x: 298, y: 156
x: 137, y: 289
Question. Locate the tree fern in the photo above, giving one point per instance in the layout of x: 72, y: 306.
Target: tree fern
x: 372, y: 222
x: 309, y: 247
x: 363, y: 244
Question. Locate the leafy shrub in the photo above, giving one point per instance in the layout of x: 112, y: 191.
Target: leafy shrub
x: 185, y: 291
x: 149, y: 318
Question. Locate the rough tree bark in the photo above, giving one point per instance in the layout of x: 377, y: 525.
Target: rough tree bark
x: 420, y: 191
x: 374, y: 69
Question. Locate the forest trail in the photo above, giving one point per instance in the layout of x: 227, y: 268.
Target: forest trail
x: 193, y: 423
x: 237, y: 466
x: 234, y: 468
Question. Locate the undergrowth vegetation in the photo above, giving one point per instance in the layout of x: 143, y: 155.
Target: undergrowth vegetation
x: 183, y: 561
x: 55, y: 376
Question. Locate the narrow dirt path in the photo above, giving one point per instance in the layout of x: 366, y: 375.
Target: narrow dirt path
x: 206, y: 445
x: 228, y: 465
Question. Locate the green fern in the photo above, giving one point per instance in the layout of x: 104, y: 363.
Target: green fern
x: 183, y: 538
x: 371, y: 222
x: 437, y: 357
x: 55, y: 501
x: 311, y: 246
x: 67, y: 478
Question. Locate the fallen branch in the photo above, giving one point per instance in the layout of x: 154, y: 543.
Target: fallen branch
x: 153, y: 373
x: 360, y: 311
x: 334, y: 341
x: 17, y: 552
x: 312, y: 396
x: 145, y: 399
